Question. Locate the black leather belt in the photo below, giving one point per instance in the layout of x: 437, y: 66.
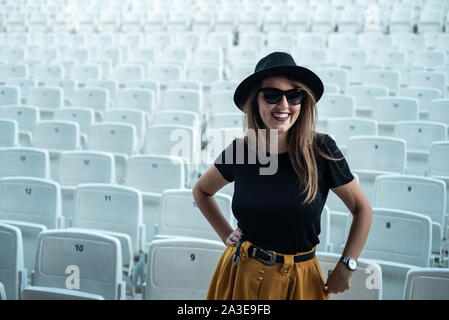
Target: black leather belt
x: 269, y: 257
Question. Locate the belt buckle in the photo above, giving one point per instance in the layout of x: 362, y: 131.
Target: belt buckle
x: 269, y: 253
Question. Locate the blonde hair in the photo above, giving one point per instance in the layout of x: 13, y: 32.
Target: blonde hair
x: 303, y: 140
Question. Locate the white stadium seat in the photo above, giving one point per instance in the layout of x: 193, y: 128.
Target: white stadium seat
x: 13, y: 275
x: 9, y: 95
x: 9, y: 133
x: 181, y: 268
x: 30, y: 162
x: 81, y: 260
x: 427, y: 284
x: 26, y: 117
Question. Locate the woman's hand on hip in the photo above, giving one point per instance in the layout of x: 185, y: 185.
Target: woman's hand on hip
x: 234, y: 238
x: 339, y: 279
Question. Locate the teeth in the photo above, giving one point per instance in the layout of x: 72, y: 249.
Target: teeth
x: 281, y: 115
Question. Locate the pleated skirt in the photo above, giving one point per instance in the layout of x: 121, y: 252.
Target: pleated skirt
x: 251, y: 279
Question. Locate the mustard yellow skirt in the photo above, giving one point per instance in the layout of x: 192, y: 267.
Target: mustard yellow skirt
x: 251, y: 279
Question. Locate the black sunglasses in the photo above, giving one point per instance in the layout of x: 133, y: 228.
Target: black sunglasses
x: 274, y: 95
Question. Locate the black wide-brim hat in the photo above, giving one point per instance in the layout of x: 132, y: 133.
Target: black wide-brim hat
x: 278, y: 64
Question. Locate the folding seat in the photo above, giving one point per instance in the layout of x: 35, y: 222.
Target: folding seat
x: 79, y: 54
x: 24, y: 84
x: 226, y: 120
x: 335, y: 75
x: 165, y: 73
x: 349, y: 20
x: 175, y: 140
x: 431, y: 58
x: 86, y: 261
x: 205, y: 73
x: 111, y: 85
x: 401, y: 20
x: 32, y: 200
x: 132, y: 21
x: 411, y: 234
x: 422, y: 195
x: 181, y: 268
x: 241, y: 55
x: 249, y: 20
x: 179, y: 21
x: 220, y: 39
x: 253, y: 39
x: 13, y: 275
x: 188, y: 100
x: 19, y: 161
x: 226, y: 20
x: 152, y: 174
x: 137, y: 118
x: 334, y: 106
x: 26, y: 118
x: 156, y: 21
x: 424, y: 96
x: 180, y: 216
x: 208, y: 55
x: 143, y: 99
x: 323, y: 19
x: 68, y: 86
x: 370, y: 156
x: 50, y: 71
x: 431, y: 79
x: 9, y: 95
x: 271, y: 21
x: 56, y: 136
x: 296, y: 21
x: 366, y: 282
x: 419, y: 135
x: 77, y: 167
x: 117, y: 211
x: 9, y: 133
x: 47, y: 99
x: 177, y: 117
x: 85, y: 117
x: 341, y: 129
x: 96, y: 99
x: 223, y: 85
x: 438, y: 110
x: 13, y: 54
x: 185, y: 85
x: 364, y: 96
x: 430, y: 21
x: 159, y: 39
x: 124, y: 72
x: 342, y: 40
x: 388, y: 110
x: 427, y: 284
x: 391, y: 58
x: 84, y: 72
x: 176, y: 54
x: 188, y: 38
x: 388, y: 78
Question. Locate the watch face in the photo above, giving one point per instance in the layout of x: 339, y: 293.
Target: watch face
x: 352, y: 264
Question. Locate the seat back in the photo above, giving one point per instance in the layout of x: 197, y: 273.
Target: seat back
x: 32, y: 200
x: 181, y: 268
x: 9, y: 95
x: 113, y: 137
x: 411, y: 234
x: 180, y: 216
x: 80, y: 260
x: 419, y: 134
x: 85, y: 117
x: 26, y: 116
x: 9, y: 133
x: 94, y: 98
x: 76, y: 167
x: 427, y: 284
x: 57, y: 135
x: 110, y: 208
x: 136, y: 98
x: 389, y: 109
x: 438, y: 155
x: 11, y: 260
x: 377, y: 153
x: 153, y: 173
x: 46, y: 98
x: 344, y: 128
x: 28, y: 162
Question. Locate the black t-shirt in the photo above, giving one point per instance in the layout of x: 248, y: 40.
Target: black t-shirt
x: 269, y: 208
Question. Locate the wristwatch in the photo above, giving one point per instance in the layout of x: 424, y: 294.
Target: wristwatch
x: 350, y: 263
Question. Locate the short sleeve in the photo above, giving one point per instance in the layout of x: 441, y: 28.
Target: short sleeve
x: 225, y: 162
x: 336, y: 172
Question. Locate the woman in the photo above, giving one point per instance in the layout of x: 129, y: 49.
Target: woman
x: 271, y: 255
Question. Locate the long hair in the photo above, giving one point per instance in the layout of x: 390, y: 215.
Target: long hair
x: 303, y: 141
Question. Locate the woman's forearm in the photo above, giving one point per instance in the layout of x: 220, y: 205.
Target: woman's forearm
x: 211, y: 211
x: 358, y: 232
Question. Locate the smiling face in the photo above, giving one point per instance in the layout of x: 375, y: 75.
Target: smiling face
x: 281, y: 115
